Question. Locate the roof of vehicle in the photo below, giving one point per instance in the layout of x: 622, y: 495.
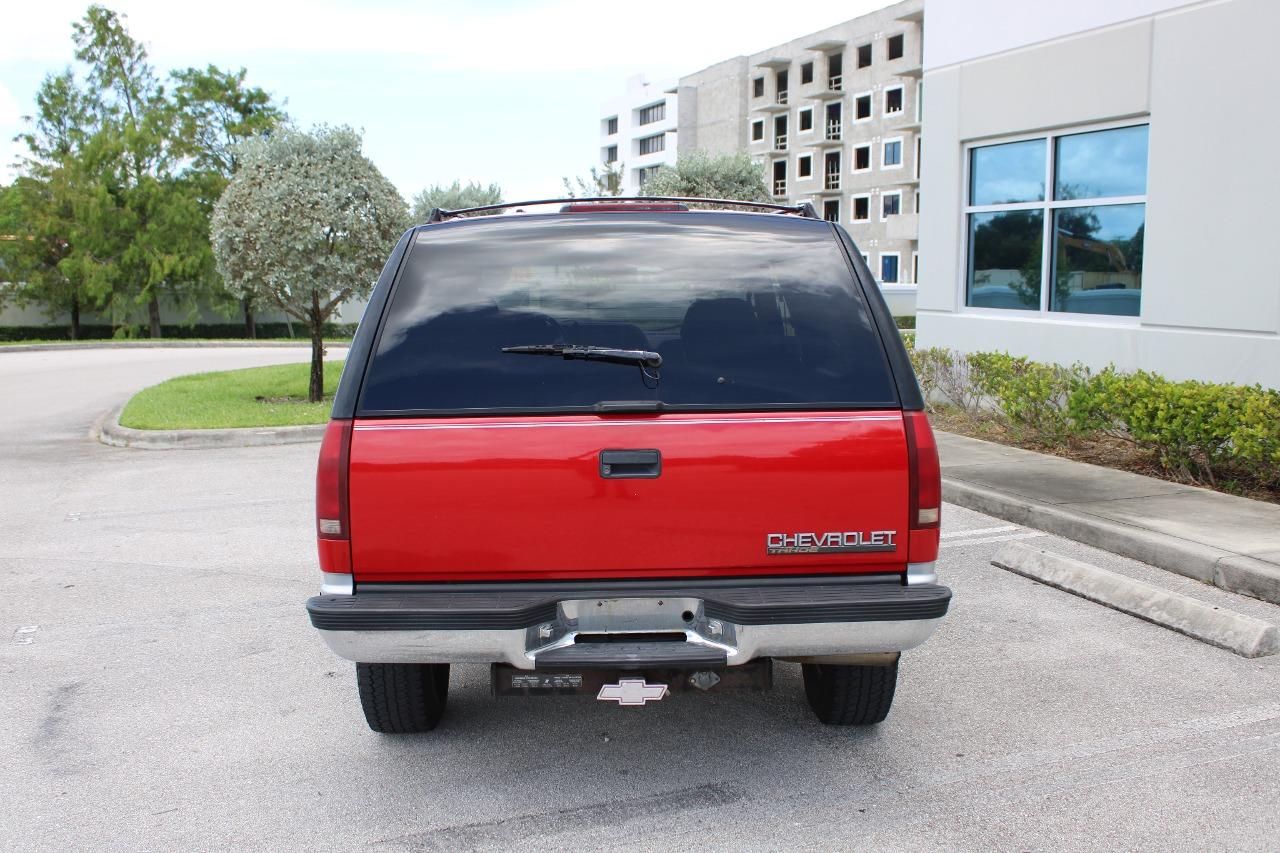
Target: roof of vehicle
x: 620, y: 204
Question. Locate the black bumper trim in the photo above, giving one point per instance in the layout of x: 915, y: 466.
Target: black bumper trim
x: 801, y: 601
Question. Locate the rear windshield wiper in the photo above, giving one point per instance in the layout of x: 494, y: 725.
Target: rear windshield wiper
x: 643, y: 358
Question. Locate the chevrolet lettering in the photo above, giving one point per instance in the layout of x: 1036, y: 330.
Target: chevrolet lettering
x: 562, y: 432
x: 830, y: 543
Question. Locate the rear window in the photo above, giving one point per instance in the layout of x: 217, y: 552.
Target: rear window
x: 745, y: 311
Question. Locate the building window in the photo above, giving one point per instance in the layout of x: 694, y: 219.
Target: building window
x: 888, y: 267
x: 915, y: 267
x: 893, y: 100
x: 779, y: 177
x: 757, y: 130
x: 891, y: 154
x: 894, y: 46
x: 806, y: 73
x: 653, y: 144
x: 611, y: 126
x: 890, y: 204
x: 864, y: 56
x: 655, y: 112
x: 861, y: 208
x: 862, y: 107
x: 804, y: 167
x: 643, y: 174
x: 1092, y: 221
x: 780, y: 85
x: 780, y: 132
x: 835, y: 72
x: 757, y: 87
x: 611, y: 154
x: 831, y: 210
x: 861, y: 158
x: 805, y: 118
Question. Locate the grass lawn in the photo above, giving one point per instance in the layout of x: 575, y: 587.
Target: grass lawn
x: 253, y: 397
x: 302, y: 342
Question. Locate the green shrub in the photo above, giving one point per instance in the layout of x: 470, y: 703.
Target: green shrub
x: 1201, y: 430
x: 1033, y: 396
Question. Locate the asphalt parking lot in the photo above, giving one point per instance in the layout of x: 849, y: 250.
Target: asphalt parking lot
x: 162, y: 689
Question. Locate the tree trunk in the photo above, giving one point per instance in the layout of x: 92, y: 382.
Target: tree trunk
x: 153, y: 314
x: 316, y: 392
x: 75, y: 317
x: 250, y: 322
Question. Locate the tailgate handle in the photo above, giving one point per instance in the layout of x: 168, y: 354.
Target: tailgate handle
x: 630, y: 464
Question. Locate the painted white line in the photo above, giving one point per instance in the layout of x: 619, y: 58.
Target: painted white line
x: 981, y: 531
x: 1028, y: 535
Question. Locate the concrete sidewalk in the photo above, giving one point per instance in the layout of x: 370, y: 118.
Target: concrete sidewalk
x: 1231, y: 542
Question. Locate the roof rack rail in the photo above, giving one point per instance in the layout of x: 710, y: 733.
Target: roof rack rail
x: 804, y: 208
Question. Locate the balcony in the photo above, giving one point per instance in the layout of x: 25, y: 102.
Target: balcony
x: 777, y: 105
x: 780, y: 187
x: 780, y: 142
x: 831, y: 181
x: 903, y: 226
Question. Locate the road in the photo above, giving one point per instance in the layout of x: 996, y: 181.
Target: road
x: 161, y: 689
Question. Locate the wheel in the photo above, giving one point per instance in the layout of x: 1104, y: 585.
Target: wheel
x: 400, y: 698
x: 844, y: 695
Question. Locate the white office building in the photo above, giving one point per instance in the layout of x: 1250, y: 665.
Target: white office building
x: 1099, y: 185
x: 638, y: 130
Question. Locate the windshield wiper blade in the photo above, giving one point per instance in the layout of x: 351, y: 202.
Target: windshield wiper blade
x: 643, y: 358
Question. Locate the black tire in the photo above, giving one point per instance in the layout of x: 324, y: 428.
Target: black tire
x: 843, y: 695
x: 402, y: 698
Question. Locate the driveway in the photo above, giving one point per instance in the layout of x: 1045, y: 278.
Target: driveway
x: 160, y: 688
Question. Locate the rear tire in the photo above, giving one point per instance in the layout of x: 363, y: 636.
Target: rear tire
x: 402, y: 698
x: 845, y: 695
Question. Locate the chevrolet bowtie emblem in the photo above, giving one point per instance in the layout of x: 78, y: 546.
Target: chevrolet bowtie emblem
x: 632, y: 691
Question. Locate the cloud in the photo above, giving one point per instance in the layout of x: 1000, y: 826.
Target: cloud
x: 511, y: 37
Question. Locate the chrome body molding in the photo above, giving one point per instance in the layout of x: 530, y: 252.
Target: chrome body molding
x: 336, y: 584
x: 918, y: 573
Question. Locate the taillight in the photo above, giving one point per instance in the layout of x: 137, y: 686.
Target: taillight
x: 332, y: 520
x: 925, y: 484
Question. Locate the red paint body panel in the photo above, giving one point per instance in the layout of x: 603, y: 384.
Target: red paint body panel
x: 469, y: 499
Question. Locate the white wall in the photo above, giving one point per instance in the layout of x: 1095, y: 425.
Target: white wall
x: 639, y: 93
x: 963, y: 30
x: 1203, y: 77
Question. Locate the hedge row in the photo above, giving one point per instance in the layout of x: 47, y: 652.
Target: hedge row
x: 1203, y: 431
x: 90, y: 332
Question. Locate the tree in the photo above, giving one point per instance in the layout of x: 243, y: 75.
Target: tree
x: 306, y: 222
x: 603, y: 182
x: 703, y: 175
x: 216, y: 112
x: 453, y: 197
x: 55, y: 184
x: 152, y: 235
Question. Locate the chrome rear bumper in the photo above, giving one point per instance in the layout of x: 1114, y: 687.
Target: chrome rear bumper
x: 518, y: 624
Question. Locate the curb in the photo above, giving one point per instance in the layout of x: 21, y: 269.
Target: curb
x: 110, y: 432
x: 169, y: 344
x: 1235, y: 632
x: 1225, y: 569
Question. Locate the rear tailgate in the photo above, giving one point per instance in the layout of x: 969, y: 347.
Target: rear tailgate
x: 468, y: 499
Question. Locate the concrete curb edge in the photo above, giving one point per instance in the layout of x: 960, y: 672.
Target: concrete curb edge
x: 1231, y: 571
x: 167, y: 344
x: 1235, y: 632
x: 109, y: 431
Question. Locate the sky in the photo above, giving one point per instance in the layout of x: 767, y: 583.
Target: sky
x: 490, y: 90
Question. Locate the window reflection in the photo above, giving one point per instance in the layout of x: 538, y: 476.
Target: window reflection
x: 1101, y: 164
x: 1003, y: 174
x: 1004, y: 259
x: 1097, y: 259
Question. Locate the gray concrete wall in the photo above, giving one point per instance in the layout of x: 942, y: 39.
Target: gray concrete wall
x: 1201, y: 76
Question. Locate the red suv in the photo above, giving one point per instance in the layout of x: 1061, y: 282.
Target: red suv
x: 626, y: 448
